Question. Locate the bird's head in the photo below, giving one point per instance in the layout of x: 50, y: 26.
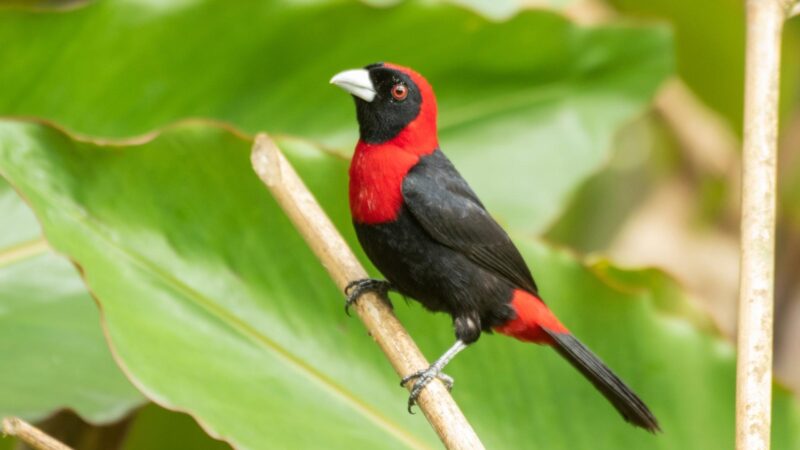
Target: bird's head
x: 393, y: 103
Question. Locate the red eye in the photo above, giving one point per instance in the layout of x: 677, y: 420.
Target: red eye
x: 399, y: 92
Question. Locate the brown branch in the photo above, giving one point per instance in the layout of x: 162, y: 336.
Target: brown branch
x: 31, y: 435
x: 757, y: 273
x: 316, y: 228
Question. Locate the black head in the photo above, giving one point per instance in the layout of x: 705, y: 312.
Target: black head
x: 388, y: 98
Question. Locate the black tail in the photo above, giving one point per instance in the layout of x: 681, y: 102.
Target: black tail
x: 627, y: 403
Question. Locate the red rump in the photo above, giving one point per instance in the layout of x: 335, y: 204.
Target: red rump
x: 532, y: 315
x: 377, y: 170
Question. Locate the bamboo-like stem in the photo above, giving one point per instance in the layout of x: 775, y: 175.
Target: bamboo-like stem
x: 757, y: 271
x: 316, y: 228
x: 31, y: 435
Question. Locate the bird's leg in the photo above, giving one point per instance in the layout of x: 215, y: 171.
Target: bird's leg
x: 355, y: 289
x: 424, y: 377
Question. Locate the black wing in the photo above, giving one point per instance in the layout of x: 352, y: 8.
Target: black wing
x: 447, y: 208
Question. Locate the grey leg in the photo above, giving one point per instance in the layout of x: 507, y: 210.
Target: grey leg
x: 424, y: 377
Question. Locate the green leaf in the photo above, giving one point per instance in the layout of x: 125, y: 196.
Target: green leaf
x: 702, y: 43
x: 155, y: 428
x: 216, y: 307
x: 203, y: 316
x: 54, y: 353
x: 534, y: 100
x: 643, y: 157
x: 6, y: 442
x: 19, y: 227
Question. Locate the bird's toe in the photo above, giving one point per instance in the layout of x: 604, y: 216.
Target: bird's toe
x: 423, y: 378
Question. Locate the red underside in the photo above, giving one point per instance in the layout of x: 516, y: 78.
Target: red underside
x: 532, y: 315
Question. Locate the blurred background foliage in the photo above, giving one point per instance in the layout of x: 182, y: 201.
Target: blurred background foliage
x: 605, y: 135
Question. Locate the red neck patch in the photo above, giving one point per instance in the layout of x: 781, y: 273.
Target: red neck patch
x: 377, y: 170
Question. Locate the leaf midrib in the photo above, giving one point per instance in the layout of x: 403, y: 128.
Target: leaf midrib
x: 22, y: 251
x: 248, y: 331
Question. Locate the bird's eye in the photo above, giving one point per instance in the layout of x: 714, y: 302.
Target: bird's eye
x: 399, y: 92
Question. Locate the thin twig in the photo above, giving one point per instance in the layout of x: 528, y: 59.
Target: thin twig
x: 316, y: 228
x: 757, y: 273
x: 27, y: 433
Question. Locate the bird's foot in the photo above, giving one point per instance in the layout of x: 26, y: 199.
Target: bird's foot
x: 424, y: 377
x: 355, y: 289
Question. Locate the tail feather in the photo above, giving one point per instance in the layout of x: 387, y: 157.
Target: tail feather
x: 624, y: 400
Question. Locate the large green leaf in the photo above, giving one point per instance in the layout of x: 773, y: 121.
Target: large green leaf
x: 534, y: 100
x: 54, y: 353
x: 215, y: 306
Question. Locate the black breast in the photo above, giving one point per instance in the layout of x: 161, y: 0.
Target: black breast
x: 440, y: 278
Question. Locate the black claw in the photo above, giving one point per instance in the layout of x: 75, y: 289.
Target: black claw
x: 408, y: 378
x: 417, y: 390
x: 423, y: 378
x: 360, y: 287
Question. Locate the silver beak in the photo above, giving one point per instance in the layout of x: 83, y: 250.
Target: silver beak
x: 356, y: 82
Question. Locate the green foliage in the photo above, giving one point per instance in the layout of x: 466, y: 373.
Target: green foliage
x: 709, y: 41
x: 54, y: 354
x: 210, y: 300
x: 542, y: 111
x: 214, y: 305
x: 155, y: 428
x: 594, y: 215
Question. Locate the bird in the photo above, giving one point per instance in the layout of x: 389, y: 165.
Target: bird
x: 427, y: 232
